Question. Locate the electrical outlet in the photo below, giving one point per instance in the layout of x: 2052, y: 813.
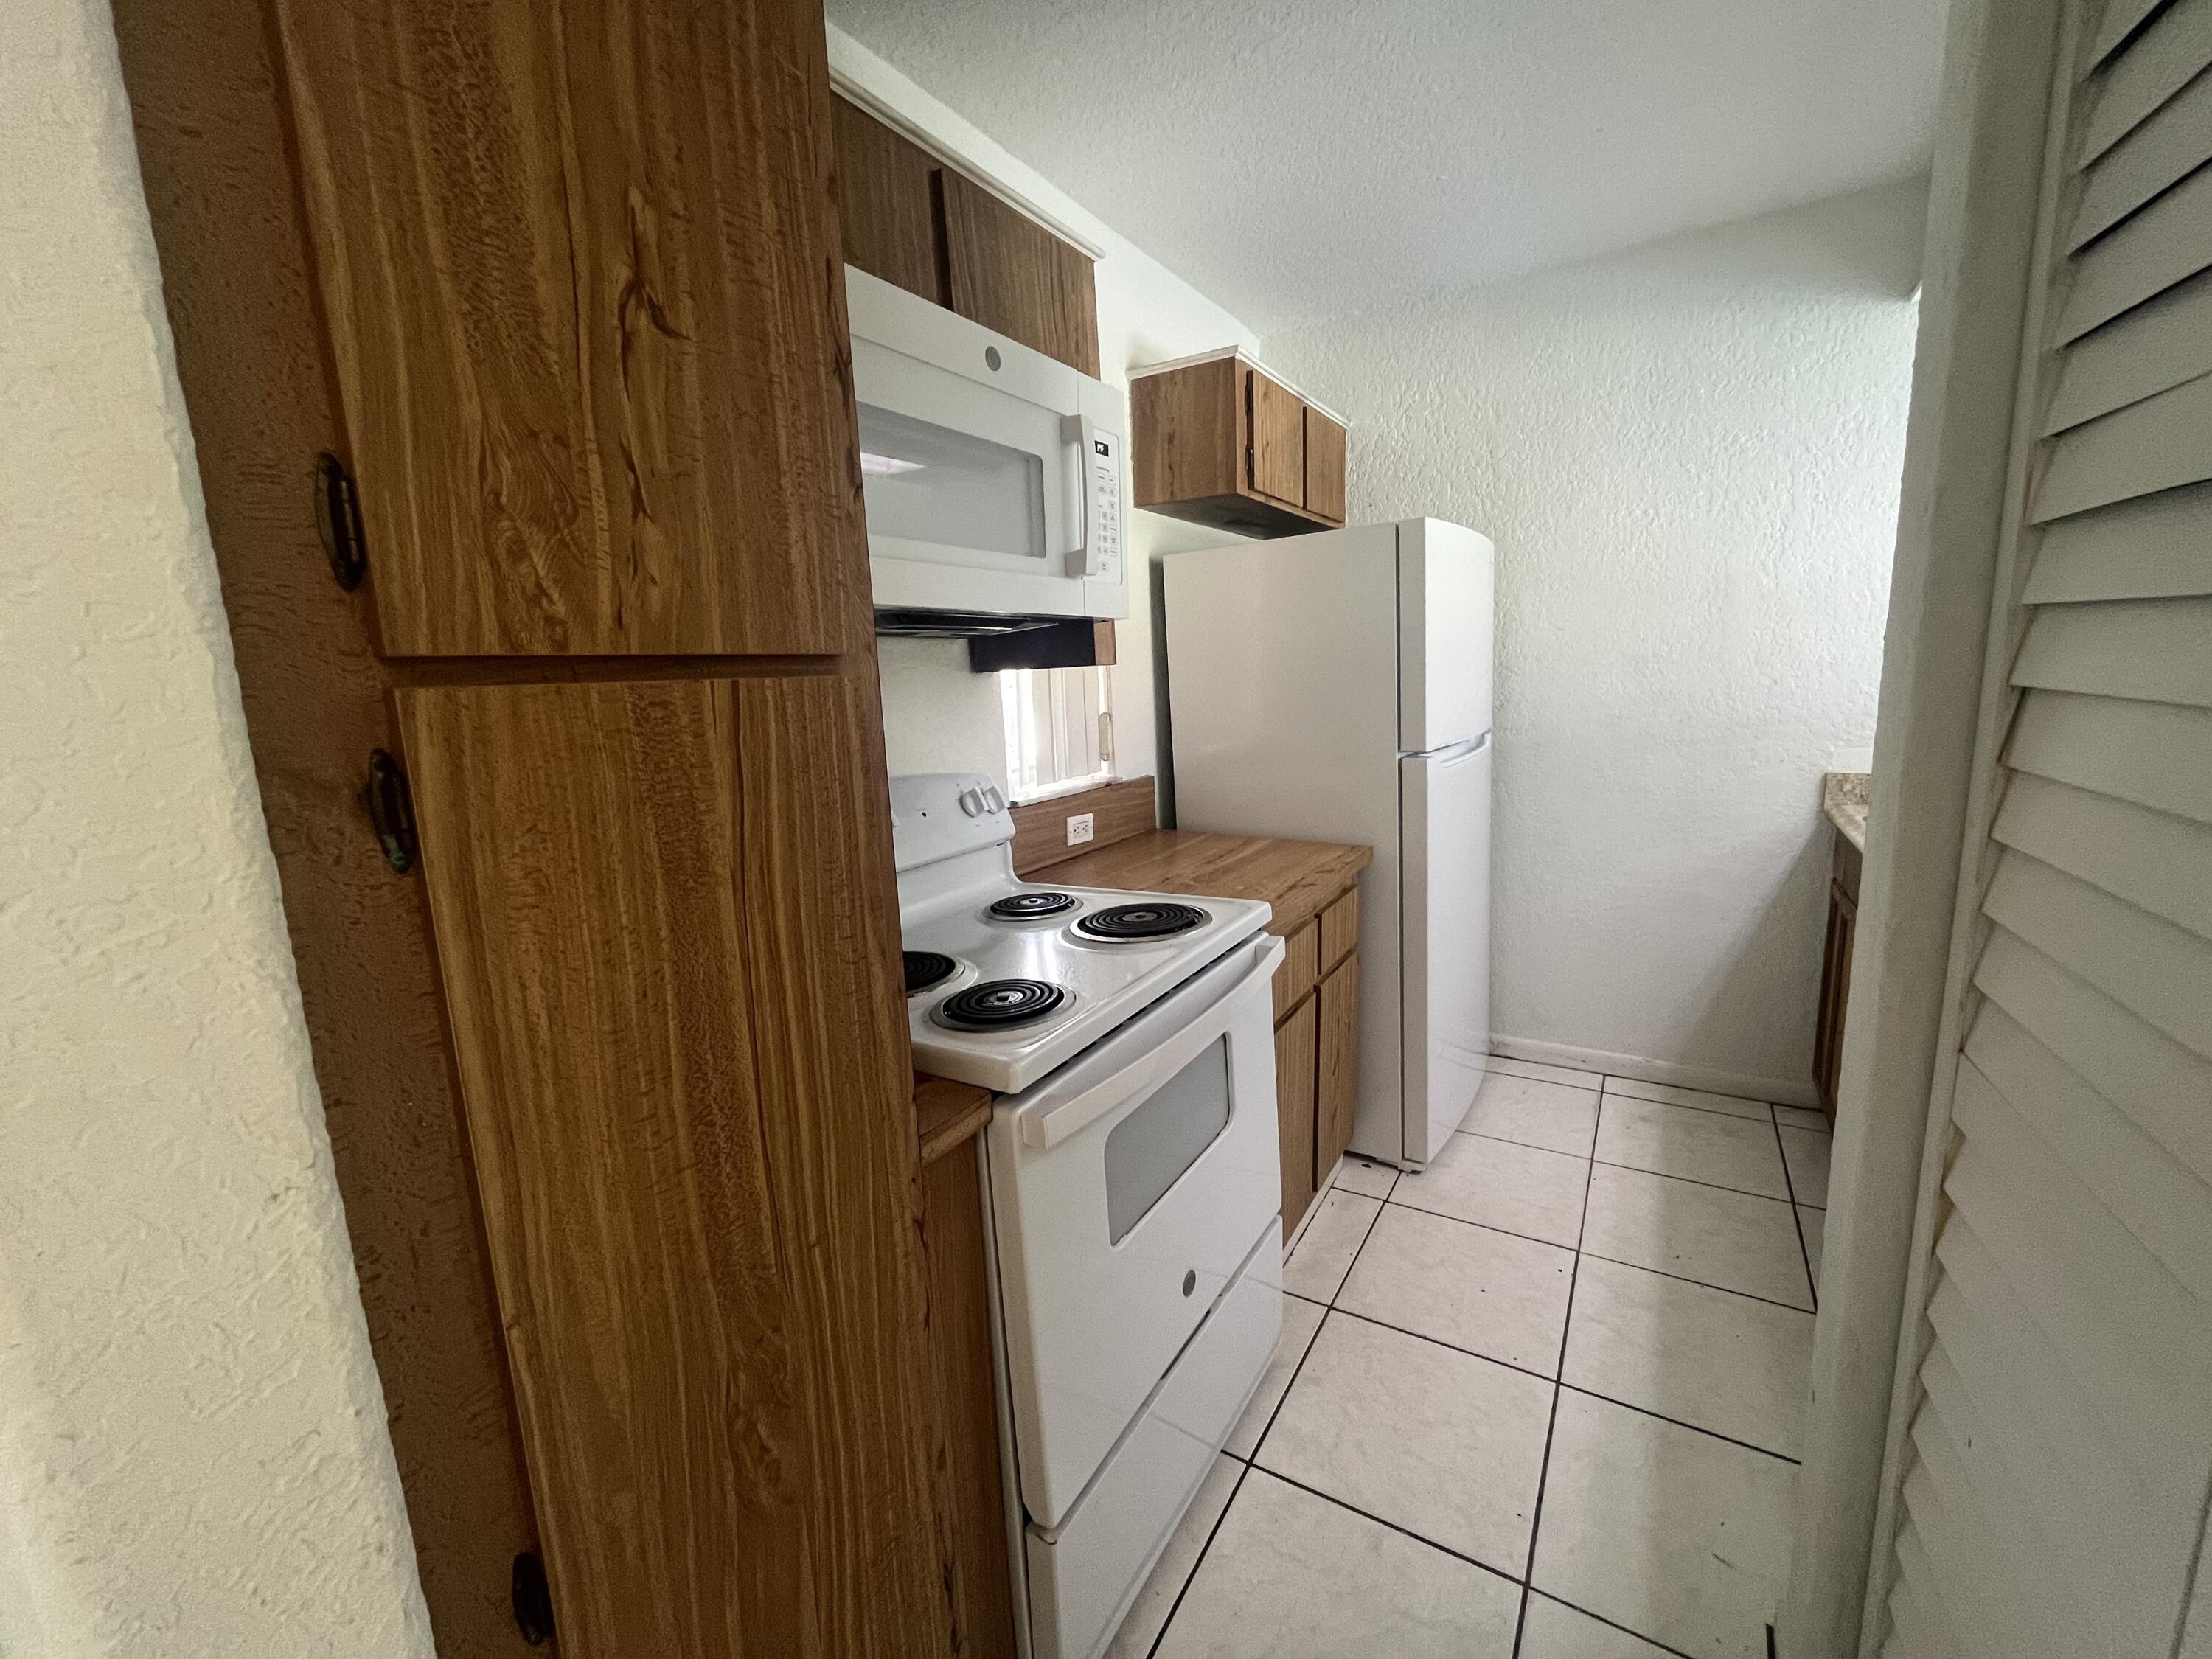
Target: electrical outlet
x: 1078, y: 828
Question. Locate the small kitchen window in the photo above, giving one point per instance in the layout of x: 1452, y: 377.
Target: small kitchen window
x: 1059, y: 728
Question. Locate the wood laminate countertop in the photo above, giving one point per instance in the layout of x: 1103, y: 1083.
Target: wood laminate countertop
x: 946, y: 1114
x: 1297, y: 877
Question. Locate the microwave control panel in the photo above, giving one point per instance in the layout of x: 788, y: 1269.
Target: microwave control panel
x: 1100, y: 557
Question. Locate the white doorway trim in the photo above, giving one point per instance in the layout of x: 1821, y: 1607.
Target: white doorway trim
x: 1940, y: 697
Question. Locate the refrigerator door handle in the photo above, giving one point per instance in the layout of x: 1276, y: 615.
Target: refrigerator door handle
x: 1458, y: 755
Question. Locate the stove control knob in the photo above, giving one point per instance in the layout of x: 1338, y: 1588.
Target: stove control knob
x: 993, y: 801
x: 971, y: 802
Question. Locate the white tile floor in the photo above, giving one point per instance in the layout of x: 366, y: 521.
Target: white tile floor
x: 1543, y: 1400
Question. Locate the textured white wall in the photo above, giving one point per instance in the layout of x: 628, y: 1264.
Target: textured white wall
x: 193, y: 1458
x: 1689, y: 457
x: 938, y: 716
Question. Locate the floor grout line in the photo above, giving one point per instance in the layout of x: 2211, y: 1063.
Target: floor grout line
x: 1484, y: 1227
x: 1526, y: 1146
x: 1532, y: 1146
x: 1718, y: 1186
x: 1683, y: 1278
x: 1610, y: 1624
x: 1248, y: 1464
x: 1334, y: 1304
x: 1556, y: 1379
x: 1729, y: 1289
x: 1243, y: 1473
x: 1402, y: 1531
x: 1551, y: 1425
x: 1446, y: 1215
x: 1804, y: 1254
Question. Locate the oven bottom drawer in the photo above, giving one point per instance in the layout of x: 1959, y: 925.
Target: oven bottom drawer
x: 1083, y: 1575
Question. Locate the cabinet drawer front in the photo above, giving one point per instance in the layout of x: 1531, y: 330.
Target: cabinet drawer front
x: 1339, y: 930
x: 1301, y: 968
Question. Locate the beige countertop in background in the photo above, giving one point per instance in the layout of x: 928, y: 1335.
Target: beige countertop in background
x: 1843, y: 798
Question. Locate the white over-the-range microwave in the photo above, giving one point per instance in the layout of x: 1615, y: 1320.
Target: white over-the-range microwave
x: 992, y: 473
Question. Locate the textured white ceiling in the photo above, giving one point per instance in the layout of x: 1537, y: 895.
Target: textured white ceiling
x: 1300, y: 159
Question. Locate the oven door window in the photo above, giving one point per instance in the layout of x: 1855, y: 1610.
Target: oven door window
x: 1149, y: 1150
x: 922, y: 483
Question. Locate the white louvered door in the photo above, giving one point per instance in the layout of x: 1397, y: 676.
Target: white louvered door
x: 2060, y: 1460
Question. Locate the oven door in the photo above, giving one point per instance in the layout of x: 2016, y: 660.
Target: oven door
x: 1126, y: 1189
x: 991, y: 473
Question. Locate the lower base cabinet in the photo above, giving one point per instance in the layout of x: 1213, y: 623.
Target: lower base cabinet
x: 1317, y: 1052
x: 685, y: 1079
x: 971, y: 1517
x: 1836, y: 972
x: 1337, y: 1087
x: 1297, y: 1050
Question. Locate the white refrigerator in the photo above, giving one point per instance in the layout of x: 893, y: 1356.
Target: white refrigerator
x: 1337, y: 686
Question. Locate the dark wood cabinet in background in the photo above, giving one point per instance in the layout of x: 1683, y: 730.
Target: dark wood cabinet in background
x: 933, y: 231
x: 1217, y: 441
x: 1836, y: 971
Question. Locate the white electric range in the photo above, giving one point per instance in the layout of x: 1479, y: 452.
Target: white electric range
x: 1132, y: 1174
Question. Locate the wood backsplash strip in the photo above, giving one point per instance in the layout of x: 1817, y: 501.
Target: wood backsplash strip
x: 1118, y: 811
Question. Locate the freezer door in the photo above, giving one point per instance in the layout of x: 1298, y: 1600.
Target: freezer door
x: 1444, y: 1015
x: 1446, y: 579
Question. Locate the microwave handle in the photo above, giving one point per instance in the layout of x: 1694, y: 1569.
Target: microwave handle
x: 1088, y: 557
x: 1086, y: 1106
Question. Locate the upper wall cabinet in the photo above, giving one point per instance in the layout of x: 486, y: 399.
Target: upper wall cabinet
x: 909, y: 219
x: 1219, y: 441
x: 572, y: 259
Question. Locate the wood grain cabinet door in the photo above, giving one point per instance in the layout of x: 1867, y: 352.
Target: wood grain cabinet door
x: 886, y: 206
x: 1277, y: 439
x: 579, y: 267
x: 684, y: 1071
x: 1325, y: 448
x: 1336, y: 1095
x: 1011, y: 275
x: 1294, y: 1108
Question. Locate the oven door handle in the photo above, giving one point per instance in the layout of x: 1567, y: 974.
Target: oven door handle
x: 1054, y: 1124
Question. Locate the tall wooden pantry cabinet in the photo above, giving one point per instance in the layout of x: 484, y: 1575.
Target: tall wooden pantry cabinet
x: 514, y: 345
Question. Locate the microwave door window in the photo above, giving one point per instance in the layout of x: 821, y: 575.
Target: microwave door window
x: 922, y: 483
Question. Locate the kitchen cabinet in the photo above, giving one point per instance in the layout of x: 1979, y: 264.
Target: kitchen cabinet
x: 612, y: 1054
x: 1005, y: 271
x: 978, y: 1579
x: 908, y: 218
x: 1337, y: 1088
x: 1297, y: 1046
x: 1218, y: 441
x: 1277, y: 442
x: 1836, y: 971
x: 644, y: 1061
x: 1326, y: 444
x: 1311, y: 888
x: 596, y: 241
x: 886, y: 218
